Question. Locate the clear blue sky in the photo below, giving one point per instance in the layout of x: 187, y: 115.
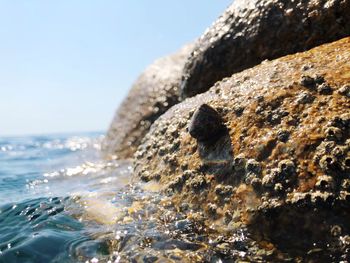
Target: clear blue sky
x: 66, y: 65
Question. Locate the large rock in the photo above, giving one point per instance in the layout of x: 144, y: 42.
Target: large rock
x: 155, y: 91
x: 251, y: 31
x: 279, y: 171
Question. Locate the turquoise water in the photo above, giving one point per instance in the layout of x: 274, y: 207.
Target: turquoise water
x: 54, y: 193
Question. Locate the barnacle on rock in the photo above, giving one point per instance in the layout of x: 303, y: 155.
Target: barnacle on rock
x: 333, y: 133
x: 223, y: 190
x: 345, y: 91
x: 287, y: 172
x: 227, y: 216
x: 238, y: 110
x: 253, y: 166
x: 324, y: 89
x: 283, y: 135
x: 312, y: 82
x: 250, y: 177
x: 325, y: 182
x: 162, y: 151
x: 328, y: 163
x: 340, y: 151
x: 342, y: 121
x: 346, y: 164
x: 287, y: 167
x: 345, y: 185
x: 305, y: 97
x: 270, y: 179
x: 336, y: 230
x: 239, y: 163
x: 212, y: 208
x: 197, y: 183
x: 307, y: 81
x: 178, y: 181
x: 278, y: 187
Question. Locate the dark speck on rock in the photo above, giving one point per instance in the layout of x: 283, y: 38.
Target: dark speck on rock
x: 319, y: 79
x: 283, y: 135
x: 306, y: 67
x: 239, y: 163
x: 253, y: 166
x: 324, y: 183
x: 345, y: 184
x: 238, y: 111
x: 287, y: 167
x: 324, y: 89
x: 328, y: 163
x: 197, y: 183
x: 227, y: 216
x: 206, y: 124
x: 212, y: 208
x: 311, y: 82
x: 333, y: 133
x: 345, y: 91
x: 150, y: 259
x: 260, y: 99
x: 347, y: 163
x: 305, y: 98
x: 336, y: 230
x: 223, y: 190
x: 307, y: 81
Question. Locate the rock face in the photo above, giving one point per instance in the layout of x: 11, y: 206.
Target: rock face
x: 281, y: 169
x: 251, y: 31
x: 155, y: 91
x: 246, y: 34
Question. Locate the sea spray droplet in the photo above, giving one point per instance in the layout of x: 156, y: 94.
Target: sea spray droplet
x: 206, y: 124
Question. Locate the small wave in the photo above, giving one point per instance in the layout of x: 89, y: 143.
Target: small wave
x: 71, y: 143
x: 42, y: 230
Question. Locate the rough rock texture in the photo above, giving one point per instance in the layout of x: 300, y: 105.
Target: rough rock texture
x: 251, y: 31
x: 155, y: 91
x: 282, y: 168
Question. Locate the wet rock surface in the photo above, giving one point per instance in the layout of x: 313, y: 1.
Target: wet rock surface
x: 254, y: 30
x: 280, y: 172
x: 153, y: 229
x: 155, y: 91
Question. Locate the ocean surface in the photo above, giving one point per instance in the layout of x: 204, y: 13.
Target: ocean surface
x: 58, y: 199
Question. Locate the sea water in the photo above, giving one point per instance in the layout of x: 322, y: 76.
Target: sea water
x: 57, y: 198
x: 60, y: 201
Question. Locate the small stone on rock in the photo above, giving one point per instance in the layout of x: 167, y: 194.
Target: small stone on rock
x: 206, y: 124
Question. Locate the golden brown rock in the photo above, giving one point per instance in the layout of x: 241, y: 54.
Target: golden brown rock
x: 282, y: 169
x: 155, y: 91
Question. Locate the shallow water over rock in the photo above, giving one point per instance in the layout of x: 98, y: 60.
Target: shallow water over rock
x: 61, y: 203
